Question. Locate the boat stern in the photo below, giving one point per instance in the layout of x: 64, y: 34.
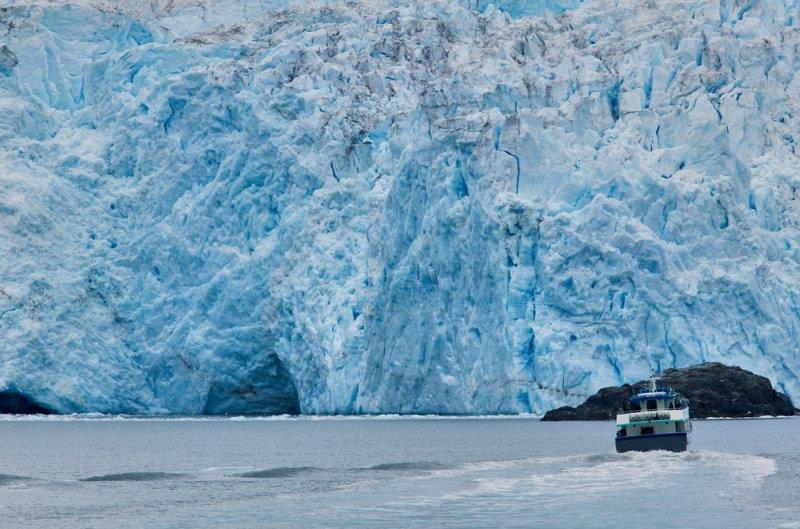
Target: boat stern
x: 672, y: 442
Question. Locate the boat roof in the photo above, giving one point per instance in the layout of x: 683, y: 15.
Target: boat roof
x: 652, y: 391
x: 666, y: 394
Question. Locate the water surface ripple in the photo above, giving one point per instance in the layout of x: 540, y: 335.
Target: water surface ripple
x: 390, y: 473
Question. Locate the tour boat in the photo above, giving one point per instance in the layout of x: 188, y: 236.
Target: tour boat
x: 657, y: 418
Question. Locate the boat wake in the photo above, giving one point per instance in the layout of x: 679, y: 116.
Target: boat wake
x: 404, y: 466
x: 559, y: 479
x: 278, y: 472
x: 7, y: 479
x: 134, y: 476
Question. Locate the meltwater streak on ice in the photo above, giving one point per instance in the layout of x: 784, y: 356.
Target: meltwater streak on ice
x: 435, y: 207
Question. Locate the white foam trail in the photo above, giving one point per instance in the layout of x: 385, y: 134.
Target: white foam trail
x: 487, y: 466
x: 759, y: 418
x: 745, y: 468
x: 555, y: 479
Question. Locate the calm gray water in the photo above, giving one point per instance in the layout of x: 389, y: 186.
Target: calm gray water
x: 391, y: 473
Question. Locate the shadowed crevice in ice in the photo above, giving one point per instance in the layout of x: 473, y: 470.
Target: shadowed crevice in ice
x: 278, y: 472
x: 15, y: 402
x: 135, y: 476
x: 526, y: 8
x: 267, y: 389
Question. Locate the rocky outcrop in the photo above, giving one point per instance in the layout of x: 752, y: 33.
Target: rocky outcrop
x: 713, y: 390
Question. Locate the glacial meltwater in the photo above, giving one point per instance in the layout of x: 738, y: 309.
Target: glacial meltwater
x: 390, y: 472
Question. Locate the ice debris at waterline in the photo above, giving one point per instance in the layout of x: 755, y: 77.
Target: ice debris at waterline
x: 392, y: 207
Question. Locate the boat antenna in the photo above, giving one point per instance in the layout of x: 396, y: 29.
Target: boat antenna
x: 654, y: 380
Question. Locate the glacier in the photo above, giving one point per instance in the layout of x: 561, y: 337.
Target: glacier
x: 362, y: 206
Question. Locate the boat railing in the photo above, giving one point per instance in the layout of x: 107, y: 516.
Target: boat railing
x: 681, y: 404
x: 651, y: 416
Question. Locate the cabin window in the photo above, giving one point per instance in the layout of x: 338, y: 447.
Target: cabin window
x: 623, y: 432
x: 680, y: 427
x: 652, y: 405
x: 647, y: 430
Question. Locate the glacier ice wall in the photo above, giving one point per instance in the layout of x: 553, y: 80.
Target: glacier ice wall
x: 351, y: 207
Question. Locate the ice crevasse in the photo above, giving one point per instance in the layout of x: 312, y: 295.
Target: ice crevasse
x: 393, y: 207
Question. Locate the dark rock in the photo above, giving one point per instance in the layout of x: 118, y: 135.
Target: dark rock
x: 713, y: 390
x: 16, y: 402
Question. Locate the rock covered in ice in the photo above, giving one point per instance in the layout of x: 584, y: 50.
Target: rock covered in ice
x: 350, y: 207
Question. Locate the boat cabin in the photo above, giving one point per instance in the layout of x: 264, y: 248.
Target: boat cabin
x: 653, y: 411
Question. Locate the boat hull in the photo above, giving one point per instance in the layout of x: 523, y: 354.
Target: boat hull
x: 673, y: 442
